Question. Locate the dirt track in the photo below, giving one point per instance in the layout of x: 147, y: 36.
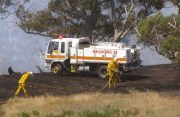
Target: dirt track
x: 162, y: 78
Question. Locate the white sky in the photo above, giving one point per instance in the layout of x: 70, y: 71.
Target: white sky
x: 19, y: 49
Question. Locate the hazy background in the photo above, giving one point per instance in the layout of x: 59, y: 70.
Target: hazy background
x: 22, y: 51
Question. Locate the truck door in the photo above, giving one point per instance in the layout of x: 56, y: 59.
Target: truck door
x: 62, y: 50
x: 52, y: 50
x: 68, y: 49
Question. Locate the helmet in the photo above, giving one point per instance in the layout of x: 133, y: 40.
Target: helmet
x: 115, y: 59
x: 31, y: 73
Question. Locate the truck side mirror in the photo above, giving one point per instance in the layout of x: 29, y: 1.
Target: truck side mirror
x: 133, y: 46
x: 50, y: 51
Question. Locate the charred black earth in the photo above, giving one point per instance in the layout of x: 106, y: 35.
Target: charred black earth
x: 160, y: 78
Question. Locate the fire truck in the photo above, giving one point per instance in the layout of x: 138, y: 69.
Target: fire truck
x: 81, y: 55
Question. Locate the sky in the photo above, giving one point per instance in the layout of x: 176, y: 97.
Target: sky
x: 18, y: 49
x: 21, y: 50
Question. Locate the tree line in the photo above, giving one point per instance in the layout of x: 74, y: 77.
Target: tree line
x: 103, y: 20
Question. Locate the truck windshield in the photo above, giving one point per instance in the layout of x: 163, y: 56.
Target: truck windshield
x: 52, y: 46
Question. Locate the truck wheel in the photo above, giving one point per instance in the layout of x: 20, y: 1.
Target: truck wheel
x: 122, y: 76
x: 57, y: 69
x: 102, y: 71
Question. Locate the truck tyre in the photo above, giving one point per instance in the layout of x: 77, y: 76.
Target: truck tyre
x: 57, y: 69
x: 122, y: 76
x: 102, y: 71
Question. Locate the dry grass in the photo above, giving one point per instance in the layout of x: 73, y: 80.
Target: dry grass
x: 148, y: 103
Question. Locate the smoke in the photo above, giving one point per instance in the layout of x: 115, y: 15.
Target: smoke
x: 3, y: 63
x: 148, y: 55
x: 22, y: 51
x: 19, y: 50
x: 151, y: 57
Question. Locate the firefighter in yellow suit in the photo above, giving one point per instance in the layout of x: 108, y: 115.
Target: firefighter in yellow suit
x: 22, y: 81
x: 112, y: 70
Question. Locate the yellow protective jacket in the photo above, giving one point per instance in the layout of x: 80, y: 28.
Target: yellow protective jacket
x: 112, y: 66
x: 24, y: 77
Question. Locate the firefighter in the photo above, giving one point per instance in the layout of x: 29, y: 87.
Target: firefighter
x: 112, y: 72
x: 22, y: 81
x: 10, y: 71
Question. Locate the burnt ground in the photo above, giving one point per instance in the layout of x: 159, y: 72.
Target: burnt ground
x: 160, y: 78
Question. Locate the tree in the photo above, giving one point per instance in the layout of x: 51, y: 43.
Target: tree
x: 163, y: 32
x: 111, y: 20
x: 8, y: 7
x: 70, y: 17
x: 126, y: 14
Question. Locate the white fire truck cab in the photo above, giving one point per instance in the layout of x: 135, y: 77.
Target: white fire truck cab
x: 79, y: 54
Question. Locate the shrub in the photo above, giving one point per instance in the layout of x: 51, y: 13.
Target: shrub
x: 24, y: 114
x: 110, y: 112
x: 65, y: 113
x: 35, y: 113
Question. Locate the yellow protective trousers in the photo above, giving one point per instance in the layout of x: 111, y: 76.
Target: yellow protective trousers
x: 116, y: 78
x: 21, y: 86
x: 110, y: 76
x: 113, y: 78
